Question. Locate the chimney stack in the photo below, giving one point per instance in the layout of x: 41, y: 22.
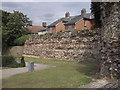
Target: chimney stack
x: 44, y: 24
x: 67, y: 14
x: 83, y: 11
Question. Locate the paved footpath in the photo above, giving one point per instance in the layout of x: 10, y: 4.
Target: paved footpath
x: 13, y: 71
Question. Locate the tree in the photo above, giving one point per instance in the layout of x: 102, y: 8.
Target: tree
x: 4, y: 19
x: 95, y: 9
x: 13, y: 26
x: 16, y: 25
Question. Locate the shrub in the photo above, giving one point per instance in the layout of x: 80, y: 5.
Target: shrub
x: 7, y: 60
x: 48, y: 33
x: 10, y: 61
x: 14, y: 65
x: 21, y: 40
x: 61, y: 30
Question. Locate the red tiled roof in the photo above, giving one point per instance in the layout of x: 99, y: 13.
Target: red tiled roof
x: 35, y: 29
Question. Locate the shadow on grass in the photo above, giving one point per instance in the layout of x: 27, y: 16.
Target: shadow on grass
x: 90, y: 59
x: 88, y: 68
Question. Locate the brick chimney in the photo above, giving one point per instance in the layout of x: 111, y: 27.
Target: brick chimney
x: 83, y: 11
x: 44, y: 24
x: 67, y: 14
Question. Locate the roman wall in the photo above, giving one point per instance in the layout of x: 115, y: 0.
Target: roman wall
x: 77, y: 45
x: 110, y: 39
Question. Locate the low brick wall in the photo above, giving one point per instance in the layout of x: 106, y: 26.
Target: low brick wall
x: 77, y: 45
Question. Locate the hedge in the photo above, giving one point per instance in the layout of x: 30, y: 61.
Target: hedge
x: 21, y: 40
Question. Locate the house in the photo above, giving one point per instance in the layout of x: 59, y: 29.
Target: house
x: 71, y: 23
x: 37, y: 29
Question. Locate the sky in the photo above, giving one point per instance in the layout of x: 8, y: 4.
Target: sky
x: 48, y: 12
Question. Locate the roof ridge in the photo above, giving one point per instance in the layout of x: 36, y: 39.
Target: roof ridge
x: 71, y: 19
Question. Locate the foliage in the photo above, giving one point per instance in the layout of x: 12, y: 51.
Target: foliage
x: 4, y: 15
x: 61, y: 31
x: 5, y: 19
x: 14, y: 65
x: 48, y: 33
x: 10, y: 61
x: 13, y: 26
x: 95, y: 8
x: 21, y: 40
x: 7, y: 60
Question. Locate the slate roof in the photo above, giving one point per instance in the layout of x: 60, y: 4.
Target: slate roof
x: 64, y: 19
x: 89, y: 16
x: 75, y: 19
x: 79, y: 17
x: 72, y: 19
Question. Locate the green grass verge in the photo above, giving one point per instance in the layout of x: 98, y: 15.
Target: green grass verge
x: 61, y: 74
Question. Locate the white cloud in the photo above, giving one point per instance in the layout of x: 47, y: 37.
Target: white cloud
x: 37, y: 20
x: 46, y: 0
x: 45, y: 11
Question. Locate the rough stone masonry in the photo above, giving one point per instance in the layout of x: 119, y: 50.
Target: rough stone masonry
x: 110, y: 39
x: 78, y: 45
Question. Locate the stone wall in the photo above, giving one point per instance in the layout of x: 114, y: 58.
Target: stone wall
x: 110, y: 39
x: 14, y: 50
x: 76, y: 45
x: 110, y: 19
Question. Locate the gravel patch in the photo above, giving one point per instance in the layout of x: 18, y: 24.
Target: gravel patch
x: 114, y: 84
x: 96, y: 84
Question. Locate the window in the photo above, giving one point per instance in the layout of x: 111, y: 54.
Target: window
x: 51, y: 29
x: 85, y: 23
x: 69, y: 27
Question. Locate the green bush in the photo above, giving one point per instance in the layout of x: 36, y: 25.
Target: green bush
x: 48, y: 33
x: 21, y: 40
x: 14, y: 65
x: 7, y: 60
x: 10, y: 61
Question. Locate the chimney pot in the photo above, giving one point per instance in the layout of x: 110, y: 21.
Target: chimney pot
x: 44, y: 24
x: 67, y: 14
x: 83, y: 11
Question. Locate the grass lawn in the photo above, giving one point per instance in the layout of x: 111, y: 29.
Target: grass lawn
x: 61, y: 74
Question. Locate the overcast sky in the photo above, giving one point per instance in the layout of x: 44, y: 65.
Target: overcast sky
x: 48, y: 12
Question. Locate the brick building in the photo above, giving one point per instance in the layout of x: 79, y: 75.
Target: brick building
x: 71, y: 23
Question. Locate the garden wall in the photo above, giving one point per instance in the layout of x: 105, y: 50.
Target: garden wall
x: 76, y: 45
